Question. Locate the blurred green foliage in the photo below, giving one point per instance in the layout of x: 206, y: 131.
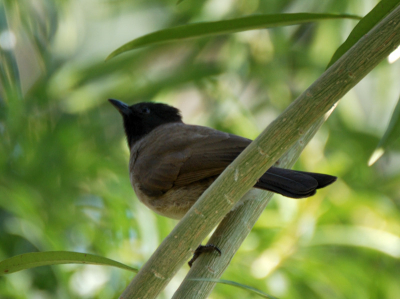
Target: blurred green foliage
x: 63, y: 158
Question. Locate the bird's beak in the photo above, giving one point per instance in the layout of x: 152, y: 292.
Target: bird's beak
x: 121, y: 107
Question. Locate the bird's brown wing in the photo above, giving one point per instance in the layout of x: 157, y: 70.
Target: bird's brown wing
x: 210, y: 157
x: 178, y: 155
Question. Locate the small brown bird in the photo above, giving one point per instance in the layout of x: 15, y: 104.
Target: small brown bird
x: 172, y: 163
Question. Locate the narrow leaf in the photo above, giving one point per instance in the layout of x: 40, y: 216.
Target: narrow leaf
x: 391, y: 137
x: 365, y: 25
x: 36, y: 259
x: 198, y: 30
x: 238, y: 285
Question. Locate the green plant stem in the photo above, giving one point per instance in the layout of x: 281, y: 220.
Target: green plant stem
x: 242, y: 174
x: 234, y: 229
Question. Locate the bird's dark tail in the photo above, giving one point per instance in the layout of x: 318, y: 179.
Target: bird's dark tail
x: 292, y: 183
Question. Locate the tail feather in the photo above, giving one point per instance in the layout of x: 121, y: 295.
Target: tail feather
x: 292, y: 183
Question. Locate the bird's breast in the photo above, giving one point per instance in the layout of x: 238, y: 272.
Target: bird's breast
x: 176, y: 201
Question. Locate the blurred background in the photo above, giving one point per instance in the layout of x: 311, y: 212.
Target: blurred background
x: 64, y: 181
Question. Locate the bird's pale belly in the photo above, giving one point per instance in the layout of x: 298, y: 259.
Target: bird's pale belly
x: 176, y: 201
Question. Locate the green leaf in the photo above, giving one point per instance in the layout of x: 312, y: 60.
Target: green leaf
x: 37, y: 259
x: 391, y: 137
x: 365, y: 25
x: 198, y: 30
x: 238, y: 285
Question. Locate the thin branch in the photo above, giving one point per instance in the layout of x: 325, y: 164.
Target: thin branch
x: 233, y: 230
x: 242, y: 174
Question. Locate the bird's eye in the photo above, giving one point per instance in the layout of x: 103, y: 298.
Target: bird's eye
x: 145, y: 110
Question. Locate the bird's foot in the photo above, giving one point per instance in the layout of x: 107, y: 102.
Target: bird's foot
x: 202, y: 249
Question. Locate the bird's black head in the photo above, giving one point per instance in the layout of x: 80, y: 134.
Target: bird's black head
x: 140, y: 119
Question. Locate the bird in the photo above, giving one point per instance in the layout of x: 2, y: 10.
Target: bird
x: 172, y: 163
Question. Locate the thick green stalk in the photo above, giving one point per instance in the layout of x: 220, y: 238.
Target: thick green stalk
x: 242, y: 174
